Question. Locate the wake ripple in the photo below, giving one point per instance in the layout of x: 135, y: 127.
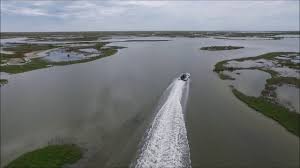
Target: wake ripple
x: 166, y: 144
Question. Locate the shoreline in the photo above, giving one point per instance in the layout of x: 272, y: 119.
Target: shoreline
x: 267, y: 103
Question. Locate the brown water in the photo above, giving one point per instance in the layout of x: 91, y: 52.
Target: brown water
x: 106, y: 105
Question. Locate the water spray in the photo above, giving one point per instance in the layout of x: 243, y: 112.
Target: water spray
x: 165, y: 143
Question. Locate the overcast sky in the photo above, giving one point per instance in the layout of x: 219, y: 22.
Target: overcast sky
x: 25, y: 15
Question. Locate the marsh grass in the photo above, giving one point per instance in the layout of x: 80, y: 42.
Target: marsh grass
x: 39, y: 63
x: 3, y: 81
x: 225, y: 77
x: 52, y: 156
x: 36, y: 63
x: 288, y: 119
x: 219, y: 48
x: 21, y: 49
x: 266, y: 103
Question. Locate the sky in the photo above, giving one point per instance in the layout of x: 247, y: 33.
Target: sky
x: 127, y: 15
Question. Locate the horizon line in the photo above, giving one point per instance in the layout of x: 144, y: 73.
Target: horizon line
x: 151, y: 31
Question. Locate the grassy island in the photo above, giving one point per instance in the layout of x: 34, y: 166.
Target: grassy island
x: 220, y: 48
x: 288, y: 119
x: 52, y: 156
x: 267, y: 103
x: 3, y: 81
x: 40, y: 62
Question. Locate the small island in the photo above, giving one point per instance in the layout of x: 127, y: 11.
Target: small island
x: 52, y: 156
x: 284, y: 70
x: 23, y: 57
x: 27, y: 57
x: 3, y: 81
x: 220, y: 48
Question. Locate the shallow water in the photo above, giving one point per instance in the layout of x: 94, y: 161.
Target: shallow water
x: 288, y: 35
x: 289, y: 96
x: 107, y: 105
x: 58, y: 55
x: 89, y: 50
x: 61, y: 55
x: 287, y: 72
x: 250, y: 82
x: 251, y: 63
x: 13, y: 40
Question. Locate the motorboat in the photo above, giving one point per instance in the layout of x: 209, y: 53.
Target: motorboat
x: 184, y: 76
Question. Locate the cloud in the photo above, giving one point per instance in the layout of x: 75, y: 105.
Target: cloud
x: 90, y: 10
x: 149, y: 15
x: 141, y: 3
x: 41, y: 3
x: 11, y: 9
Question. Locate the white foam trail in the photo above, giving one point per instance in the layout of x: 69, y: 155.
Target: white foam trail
x: 166, y: 144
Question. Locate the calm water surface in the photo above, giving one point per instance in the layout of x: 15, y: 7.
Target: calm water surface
x: 106, y: 105
x: 289, y: 95
x: 250, y: 82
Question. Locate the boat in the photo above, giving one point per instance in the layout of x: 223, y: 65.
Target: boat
x: 184, y: 77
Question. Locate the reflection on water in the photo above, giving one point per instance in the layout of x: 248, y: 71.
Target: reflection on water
x: 250, y: 82
x: 288, y: 96
x: 61, y: 54
x: 105, y: 105
x: 89, y: 50
x: 251, y: 63
x: 287, y: 72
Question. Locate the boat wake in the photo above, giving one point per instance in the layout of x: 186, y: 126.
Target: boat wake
x: 166, y: 143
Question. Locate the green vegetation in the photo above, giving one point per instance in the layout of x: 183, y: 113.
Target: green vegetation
x: 225, y: 77
x: 267, y: 103
x: 3, y: 81
x: 105, y: 52
x: 92, y: 35
x: 288, y: 119
x: 98, y: 46
x: 18, y: 56
x: 220, y: 66
x: 284, y: 80
x: 268, y: 56
x: 83, y: 38
x: 38, y: 63
x: 52, y: 156
x: 8, y: 56
x: 219, y: 48
x: 21, y: 49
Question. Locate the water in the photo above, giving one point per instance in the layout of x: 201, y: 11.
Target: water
x: 287, y: 72
x: 107, y: 106
x: 89, y: 50
x: 58, y: 55
x: 250, y: 82
x: 166, y: 143
x: 13, y: 40
x: 251, y: 63
x: 289, y: 96
x: 288, y: 35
